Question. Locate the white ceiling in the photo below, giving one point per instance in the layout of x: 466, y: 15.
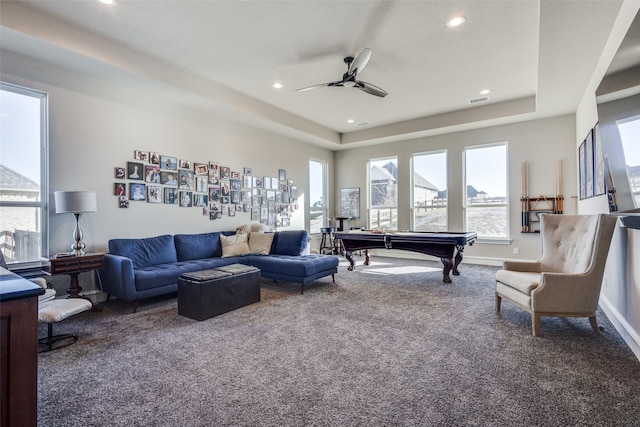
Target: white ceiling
x: 536, y: 57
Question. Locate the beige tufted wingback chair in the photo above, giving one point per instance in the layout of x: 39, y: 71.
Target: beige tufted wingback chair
x: 566, y: 280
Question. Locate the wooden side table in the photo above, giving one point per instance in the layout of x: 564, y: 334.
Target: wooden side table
x: 73, y: 266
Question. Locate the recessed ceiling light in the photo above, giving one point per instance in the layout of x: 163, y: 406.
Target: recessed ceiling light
x: 350, y: 121
x: 107, y: 1
x: 277, y: 85
x: 485, y: 92
x: 456, y: 22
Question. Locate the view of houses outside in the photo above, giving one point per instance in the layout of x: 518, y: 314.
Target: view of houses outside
x: 20, y: 170
x: 383, y: 191
x: 430, y: 192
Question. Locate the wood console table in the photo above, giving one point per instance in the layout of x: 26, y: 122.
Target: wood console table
x: 73, y: 266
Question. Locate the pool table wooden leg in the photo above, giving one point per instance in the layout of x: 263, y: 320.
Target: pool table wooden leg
x: 458, y: 260
x: 352, y: 263
x: 447, y: 264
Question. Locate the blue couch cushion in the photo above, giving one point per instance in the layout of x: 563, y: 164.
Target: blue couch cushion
x: 198, y: 246
x: 166, y: 274
x: 289, y: 242
x: 300, y: 266
x: 145, y: 252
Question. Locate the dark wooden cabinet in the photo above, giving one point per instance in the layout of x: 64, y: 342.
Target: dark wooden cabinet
x: 18, y: 350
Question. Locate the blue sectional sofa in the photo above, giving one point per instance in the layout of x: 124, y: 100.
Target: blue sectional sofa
x: 141, y: 268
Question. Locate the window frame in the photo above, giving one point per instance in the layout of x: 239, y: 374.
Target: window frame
x: 43, y: 203
x: 465, y: 207
x: 369, y: 197
x: 413, y: 206
x: 325, y: 196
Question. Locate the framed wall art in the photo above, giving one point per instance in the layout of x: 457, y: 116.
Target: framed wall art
x: 350, y: 202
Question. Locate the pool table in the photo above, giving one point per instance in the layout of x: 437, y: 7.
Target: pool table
x: 440, y: 244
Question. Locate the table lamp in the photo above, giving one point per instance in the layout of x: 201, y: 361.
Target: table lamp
x: 76, y: 203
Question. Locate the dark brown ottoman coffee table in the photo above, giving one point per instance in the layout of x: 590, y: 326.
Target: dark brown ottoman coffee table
x: 208, y: 293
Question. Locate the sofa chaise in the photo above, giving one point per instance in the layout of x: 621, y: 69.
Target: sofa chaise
x: 142, y: 268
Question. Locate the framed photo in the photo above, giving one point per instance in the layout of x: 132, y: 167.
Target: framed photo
x: 119, y: 189
x: 143, y: 156
x: 235, y: 175
x: 185, y: 164
x: 168, y: 163
x: 255, y: 214
x: 201, y: 184
x: 123, y: 202
x: 214, y: 177
x: 581, y: 171
x: 236, y: 184
x: 256, y: 182
x: 247, y: 181
x: 168, y: 178
x: 137, y: 192
x: 201, y: 200
x: 171, y: 196
x: 599, y: 162
x: 154, y: 158
x: 119, y: 173
x: 350, y: 202
x: 589, y: 159
x: 246, y: 171
x: 214, y: 194
x: 214, y: 211
x: 214, y: 166
x: 225, y: 172
x: 186, y: 199
x: 282, y: 175
x: 201, y: 168
x: 152, y: 174
x: 134, y: 171
x: 154, y: 194
x: 185, y: 179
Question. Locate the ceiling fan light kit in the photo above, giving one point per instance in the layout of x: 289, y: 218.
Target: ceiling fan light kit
x: 355, y: 65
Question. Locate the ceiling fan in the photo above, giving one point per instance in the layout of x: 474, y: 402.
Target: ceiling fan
x: 354, y: 68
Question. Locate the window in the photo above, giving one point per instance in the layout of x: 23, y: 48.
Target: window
x: 318, y: 201
x: 23, y: 174
x: 486, y: 204
x: 429, y: 195
x: 629, y: 136
x: 383, y: 193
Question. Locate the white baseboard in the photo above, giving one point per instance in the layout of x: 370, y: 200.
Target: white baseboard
x: 626, y: 331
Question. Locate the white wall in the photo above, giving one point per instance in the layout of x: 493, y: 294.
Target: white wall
x: 620, y: 296
x: 540, y: 142
x: 95, y: 126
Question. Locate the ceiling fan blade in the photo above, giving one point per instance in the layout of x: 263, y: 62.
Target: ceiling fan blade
x: 371, y: 89
x: 317, y: 86
x: 360, y: 61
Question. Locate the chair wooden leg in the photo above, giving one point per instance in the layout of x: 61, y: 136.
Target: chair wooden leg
x: 498, y: 302
x: 535, y: 324
x: 333, y: 277
x: 594, y: 324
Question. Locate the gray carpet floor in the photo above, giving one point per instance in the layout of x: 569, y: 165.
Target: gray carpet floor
x: 387, y: 345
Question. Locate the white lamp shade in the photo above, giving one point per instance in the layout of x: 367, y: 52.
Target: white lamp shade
x: 75, y: 201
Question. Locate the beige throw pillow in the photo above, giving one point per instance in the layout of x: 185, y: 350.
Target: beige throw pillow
x: 260, y: 243
x: 235, y: 245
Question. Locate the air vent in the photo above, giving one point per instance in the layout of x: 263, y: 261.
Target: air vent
x: 475, y: 101
x: 363, y: 124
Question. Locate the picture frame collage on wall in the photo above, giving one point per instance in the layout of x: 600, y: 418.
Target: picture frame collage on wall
x: 217, y: 190
x: 591, y: 173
